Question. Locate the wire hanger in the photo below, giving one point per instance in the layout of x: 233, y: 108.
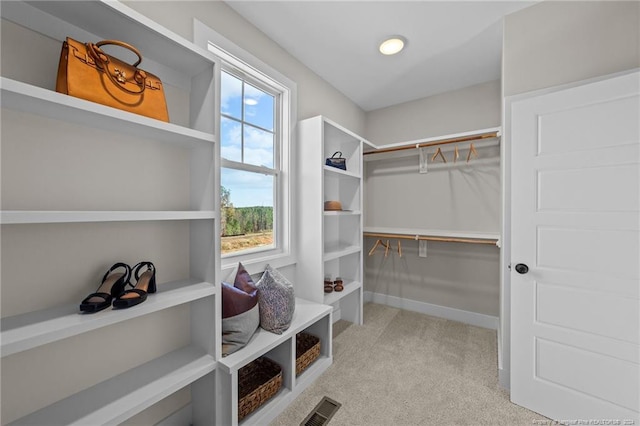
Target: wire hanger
x: 472, y: 149
x: 438, y: 152
x: 456, y: 154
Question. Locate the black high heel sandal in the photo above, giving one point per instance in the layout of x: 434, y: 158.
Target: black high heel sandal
x: 145, y: 283
x: 112, y: 285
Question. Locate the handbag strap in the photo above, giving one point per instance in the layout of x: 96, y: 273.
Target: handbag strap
x: 102, y: 59
x: 337, y: 152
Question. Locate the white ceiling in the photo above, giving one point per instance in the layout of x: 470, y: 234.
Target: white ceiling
x: 451, y: 44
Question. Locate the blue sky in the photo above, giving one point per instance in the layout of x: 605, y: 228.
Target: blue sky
x: 247, y: 188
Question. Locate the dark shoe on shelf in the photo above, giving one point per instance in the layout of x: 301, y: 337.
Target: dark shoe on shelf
x: 113, y: 284
x: 328, y: 285
x: 145, y: 283
x: 339, y: 285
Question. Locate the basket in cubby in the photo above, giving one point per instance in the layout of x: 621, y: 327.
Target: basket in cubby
x: 257, y: 382
x: 307, y: 351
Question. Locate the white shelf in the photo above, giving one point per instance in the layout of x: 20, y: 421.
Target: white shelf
x: 445, y: 148
x: 433, y: 232
x: 349, y: 287
x: 25, y: 97
x: 340, y: 251
x: 22, y: 332
x: 343, y: 213
x: 306, y: 313
x: 341, y: 172
x: 8, y: 217
x: 312, y: 372
x: 121, y: 397
x: 106, y: 18
x: 268, y: 411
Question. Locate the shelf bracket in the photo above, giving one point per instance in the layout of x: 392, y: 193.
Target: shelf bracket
x: 423, y: 158
x: 422, y: 248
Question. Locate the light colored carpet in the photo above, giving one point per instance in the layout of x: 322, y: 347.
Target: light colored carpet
x: 405, y: 368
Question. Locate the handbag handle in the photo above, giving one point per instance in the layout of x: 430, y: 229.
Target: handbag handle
x: 337, y: 152
x: 121, y: 44
x: 102, y: 60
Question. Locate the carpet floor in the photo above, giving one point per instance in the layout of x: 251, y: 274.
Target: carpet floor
x: 406, y: 368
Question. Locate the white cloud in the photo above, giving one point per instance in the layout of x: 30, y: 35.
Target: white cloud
x: 257, y: 138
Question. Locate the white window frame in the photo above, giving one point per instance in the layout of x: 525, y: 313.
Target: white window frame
x: 241, y: 63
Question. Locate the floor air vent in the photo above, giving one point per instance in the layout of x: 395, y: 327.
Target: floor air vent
x: 323, y: 412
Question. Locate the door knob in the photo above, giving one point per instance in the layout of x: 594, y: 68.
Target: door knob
x: 521, y: 268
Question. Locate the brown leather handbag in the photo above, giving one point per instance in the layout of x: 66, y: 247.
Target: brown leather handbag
x: 86, y: 72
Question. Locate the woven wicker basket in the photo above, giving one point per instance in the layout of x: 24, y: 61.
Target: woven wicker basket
x: 257, y: 382
x: 307, y: 351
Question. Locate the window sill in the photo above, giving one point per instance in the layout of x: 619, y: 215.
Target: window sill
x: 256, y: 265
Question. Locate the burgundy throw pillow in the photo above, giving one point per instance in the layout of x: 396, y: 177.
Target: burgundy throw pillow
x: 243, y: 280
x: 235, y: 301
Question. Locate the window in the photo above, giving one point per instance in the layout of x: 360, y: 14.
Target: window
x: 249, y: 176
x: 256, y: 116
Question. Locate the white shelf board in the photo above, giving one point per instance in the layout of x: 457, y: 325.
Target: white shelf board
x: 337, y: 171
x: 433, y: 232
x: 30, y: 330
x: 462, y: 147
x: 121, y: 397
x: 306, y: 313
x: 343, y: 213
x: 8, y: 217
x: 269, y: 410
x: 349, y: 287
x: 106, y: 19
x: 25, y: 97
x: 312, y: 372
x: 434, y: 139
x: 337, y: 252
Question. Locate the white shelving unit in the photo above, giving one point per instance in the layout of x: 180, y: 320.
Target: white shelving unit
x: 311, y: 317
x: 189, y: 70
x: 332, y: 240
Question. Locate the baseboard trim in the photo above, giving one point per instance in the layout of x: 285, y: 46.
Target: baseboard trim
x: 504, y: 379
x: 467, y: 317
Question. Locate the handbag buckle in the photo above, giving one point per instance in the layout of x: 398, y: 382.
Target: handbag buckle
x: 121, y: 76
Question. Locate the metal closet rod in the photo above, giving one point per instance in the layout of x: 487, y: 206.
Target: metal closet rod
x: 436, y: 143
x: 490, y: 241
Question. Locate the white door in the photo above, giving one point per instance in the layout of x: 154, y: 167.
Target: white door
x: 575, y: 216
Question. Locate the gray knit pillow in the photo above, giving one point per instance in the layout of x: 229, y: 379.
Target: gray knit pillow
x: 277, y: 301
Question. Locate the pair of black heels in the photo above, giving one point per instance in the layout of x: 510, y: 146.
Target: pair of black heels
x: 112, y: 289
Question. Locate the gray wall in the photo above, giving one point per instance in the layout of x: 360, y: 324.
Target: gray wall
x: 554, y: 43
x: 461, y: 196
x: 471, y: 108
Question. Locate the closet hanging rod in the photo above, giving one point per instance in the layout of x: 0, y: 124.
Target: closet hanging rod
x: 489, y: 241
x: 480, y: 136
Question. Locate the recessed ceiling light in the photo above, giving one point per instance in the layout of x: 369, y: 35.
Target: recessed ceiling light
x: 250, y: 101
x: 392, y: 45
